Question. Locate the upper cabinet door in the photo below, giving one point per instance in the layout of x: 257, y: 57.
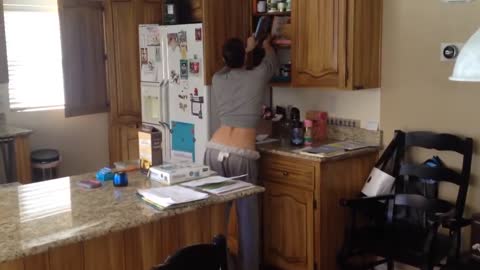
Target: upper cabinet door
x: 320, y: 45
x: 222, y: 19
x: 123, y: 18
x: 83, y: 49
x: 125, y: 93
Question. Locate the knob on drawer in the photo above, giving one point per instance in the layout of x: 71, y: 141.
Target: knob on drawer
x: 285, y: 173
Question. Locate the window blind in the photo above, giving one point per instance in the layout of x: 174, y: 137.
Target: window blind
x: 34, y: 54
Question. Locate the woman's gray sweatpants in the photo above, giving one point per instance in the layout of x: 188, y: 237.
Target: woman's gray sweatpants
x: 230, y: 161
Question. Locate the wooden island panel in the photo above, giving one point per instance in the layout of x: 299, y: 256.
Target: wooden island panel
x: 133, y: 249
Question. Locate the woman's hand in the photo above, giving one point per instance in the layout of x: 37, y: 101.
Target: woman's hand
x: 267, y: 44
x: 251, y: 44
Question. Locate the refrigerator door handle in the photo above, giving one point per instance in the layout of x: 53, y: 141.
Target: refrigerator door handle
x: 165, y: 105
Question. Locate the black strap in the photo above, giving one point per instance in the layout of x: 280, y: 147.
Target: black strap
x: 389, y: 153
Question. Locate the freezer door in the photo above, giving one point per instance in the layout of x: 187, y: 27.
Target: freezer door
x: 188, y: 95
x: 152, y: 58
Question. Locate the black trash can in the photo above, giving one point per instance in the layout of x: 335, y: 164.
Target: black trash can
x: 45, y: 164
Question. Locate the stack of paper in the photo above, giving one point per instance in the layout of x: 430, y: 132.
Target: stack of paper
x: 350, y: 145
x: 323, y: 151
x: 170, y: 196
x: 333, y: 149
x: 219, y: 185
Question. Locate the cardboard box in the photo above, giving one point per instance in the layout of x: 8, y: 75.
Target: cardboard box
x: 319, y: 129
x: 150, y: 147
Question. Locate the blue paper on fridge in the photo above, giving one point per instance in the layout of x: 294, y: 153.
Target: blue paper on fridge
x: 183, y: 141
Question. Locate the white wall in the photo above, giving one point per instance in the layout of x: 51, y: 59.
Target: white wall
x: 363, y: 105
x: 82, y: 141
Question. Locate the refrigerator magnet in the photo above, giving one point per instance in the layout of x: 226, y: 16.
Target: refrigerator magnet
x: 195, y: 66
x: 184, y: 69
x: 182, y: 40
x: 174, y: 77
x: 144, y: 56
x: 172, y: 41
x: 198, y: 34
x: 183, y: 106
x: 196, y: 106
x: 158, y: 55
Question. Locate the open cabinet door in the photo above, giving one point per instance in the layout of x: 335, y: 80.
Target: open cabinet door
x: 223, y: 19
x: 83, y: 50
x: 3, y: 49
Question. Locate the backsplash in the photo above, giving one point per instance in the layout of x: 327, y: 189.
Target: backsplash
x: 355, y: 134
x: 362, y: 105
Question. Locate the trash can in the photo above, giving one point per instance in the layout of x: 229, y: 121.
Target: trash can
x: 45, y: 164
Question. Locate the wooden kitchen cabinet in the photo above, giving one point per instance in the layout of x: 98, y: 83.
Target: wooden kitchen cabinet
x: 122, y: 18
x: 303, y: 223
x: 23, y: 163
x: 319, y: 49
x: 126, y: 137
x: 288, y: 234
x: 337, y: 43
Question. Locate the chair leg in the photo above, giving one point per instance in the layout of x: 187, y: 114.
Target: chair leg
x: 390, y: 265
x: 459, y: 246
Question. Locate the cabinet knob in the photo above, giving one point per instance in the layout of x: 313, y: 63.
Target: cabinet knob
x: 285, y: 173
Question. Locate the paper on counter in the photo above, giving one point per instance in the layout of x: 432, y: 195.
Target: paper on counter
x: 219, y: 185
x: 168, y: 196
x: 228, y: 187
x: 210, y: 180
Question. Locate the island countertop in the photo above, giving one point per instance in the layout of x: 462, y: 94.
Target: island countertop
x: 40, y: 216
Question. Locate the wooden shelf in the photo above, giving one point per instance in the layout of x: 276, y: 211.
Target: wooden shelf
x: 281, y: 84
x: 287, y: 13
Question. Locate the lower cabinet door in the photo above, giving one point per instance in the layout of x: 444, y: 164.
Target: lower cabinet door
x: 288, y: 227
x: 123, y: 143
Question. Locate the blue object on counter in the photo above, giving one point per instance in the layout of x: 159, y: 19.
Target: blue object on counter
x: 105, y: 174
x: 120, y: 179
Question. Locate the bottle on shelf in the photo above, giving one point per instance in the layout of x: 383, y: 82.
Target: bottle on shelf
x: 262, y: 6
x: 297, y: 132
x: 170, y: 12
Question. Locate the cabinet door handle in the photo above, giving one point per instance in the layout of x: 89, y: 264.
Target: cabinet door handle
x: 285, y: 173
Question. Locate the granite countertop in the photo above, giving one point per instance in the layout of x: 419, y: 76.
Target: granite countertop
x: 8, y: 132
x: 293, y: 151
x: 36, y: 217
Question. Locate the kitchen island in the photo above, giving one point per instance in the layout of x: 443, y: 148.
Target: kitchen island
x: 58, y: 225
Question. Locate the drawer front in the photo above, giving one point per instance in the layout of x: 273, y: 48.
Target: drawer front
x: 288, y: 171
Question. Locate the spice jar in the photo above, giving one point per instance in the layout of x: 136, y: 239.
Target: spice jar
x: 262, y: 6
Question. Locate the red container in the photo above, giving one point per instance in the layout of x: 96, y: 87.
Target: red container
x: 319, y: 128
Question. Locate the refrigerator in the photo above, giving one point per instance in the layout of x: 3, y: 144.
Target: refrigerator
x: 174, y: 96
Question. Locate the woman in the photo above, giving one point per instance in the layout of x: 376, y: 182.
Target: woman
x: 239, y: 94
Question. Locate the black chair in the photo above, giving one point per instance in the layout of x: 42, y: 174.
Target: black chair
x: 204, y: 256
x: 388, y: 233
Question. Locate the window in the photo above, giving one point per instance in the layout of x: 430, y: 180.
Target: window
x: 34, y: 54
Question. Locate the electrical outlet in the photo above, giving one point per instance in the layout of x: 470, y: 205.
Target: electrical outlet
x: 343, y: 122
